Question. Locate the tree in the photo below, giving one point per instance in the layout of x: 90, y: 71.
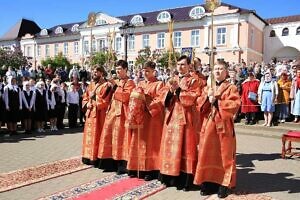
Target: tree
x: 57, y: 61
x: 13, y: 58
x: 163, y: 59
x: 104, y: 58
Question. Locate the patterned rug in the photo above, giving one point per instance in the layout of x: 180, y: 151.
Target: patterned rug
x: 27, y: 176
x: 115, y: 187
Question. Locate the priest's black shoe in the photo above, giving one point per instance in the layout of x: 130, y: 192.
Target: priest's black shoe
x: 223, y: 192
x: 148, y: 178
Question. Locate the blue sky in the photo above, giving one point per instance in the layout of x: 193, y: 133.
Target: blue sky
x: 48, y: 13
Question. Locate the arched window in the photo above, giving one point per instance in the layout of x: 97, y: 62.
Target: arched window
x: 137, y: 20
x: 272, y: 33
x: 285, y: 32
x: 100, y: 22
x: 164, y: 17
x: 58, y: 30
x: 75, y: 28
x: 298, y: 31
x: 197, y: 12
x: 44, y: 32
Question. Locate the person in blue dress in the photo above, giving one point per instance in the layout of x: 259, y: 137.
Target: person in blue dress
x: 267, y: 97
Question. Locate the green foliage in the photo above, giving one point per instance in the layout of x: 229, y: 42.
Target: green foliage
x: 57, y: 61
x: 104, y: 58
x: 13, y: 58
x: 163, y: 59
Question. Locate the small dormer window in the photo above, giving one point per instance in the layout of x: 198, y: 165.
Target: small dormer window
x: 75, y: 28
x: 197, y: 12
x: 58, y: 30
x: 44, y: 32
x: 298, y: 31
x: 137, y: 20
x: 100, y: 22
x: 285, y: 32
x: 272, y: 33
x: 164, y: 17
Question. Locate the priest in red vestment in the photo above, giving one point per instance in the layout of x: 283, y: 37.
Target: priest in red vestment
x: 95, y: 101
x: 179, y: 141
x: 216, y: 167
x: 112, y: 146
x: 144, y: 135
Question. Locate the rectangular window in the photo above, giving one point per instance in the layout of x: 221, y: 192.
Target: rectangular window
x: 29, y: 52
x: 76, y: 48
x: 86, y: 47
x: 66, y: 48
x: 47, y: 50
x: 221, y: 36
x: 161, y: 40
x: 177, y: 39
x: 38, y: 50
x: 55, y: 49
x: 118, y: 43
x: 101, y: 44
x: 146, y: 41
x: 131, y: 42
x: 195, y: 38
x: 94, y: 46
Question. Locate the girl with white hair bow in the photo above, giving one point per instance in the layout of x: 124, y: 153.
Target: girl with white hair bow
x: 28, y: 99
x: 40, y: 106
x: 13, y: 104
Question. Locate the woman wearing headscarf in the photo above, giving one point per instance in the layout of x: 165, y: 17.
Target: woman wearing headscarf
x: 284, y: 87
x: 13, y: 104
x: 40, y: 106
x: 267, y: 97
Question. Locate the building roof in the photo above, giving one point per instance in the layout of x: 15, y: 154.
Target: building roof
x: 286, y: 19
x: 21, y: 28
x: 178, y: 14
x: 67, y: 30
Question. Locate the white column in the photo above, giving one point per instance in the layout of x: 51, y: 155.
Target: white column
x: 206, y: 38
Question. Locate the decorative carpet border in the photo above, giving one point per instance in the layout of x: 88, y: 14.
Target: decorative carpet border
x: 31, y: 175
x: 142, y: 192
x: 139, y: 192
x: 85, y: 188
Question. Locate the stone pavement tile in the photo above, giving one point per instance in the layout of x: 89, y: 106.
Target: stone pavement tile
x: 18, y: 152
x: 173, y: 194
x: 51, y: 186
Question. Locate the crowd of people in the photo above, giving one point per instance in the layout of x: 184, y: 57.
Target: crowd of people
x: 174, y: 125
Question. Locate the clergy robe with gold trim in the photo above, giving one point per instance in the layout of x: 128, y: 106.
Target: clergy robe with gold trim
x: 217, y: 147
x: 112, y: 141
x: 143, y: 149
x: 178, y: 143
x: 95, y: 117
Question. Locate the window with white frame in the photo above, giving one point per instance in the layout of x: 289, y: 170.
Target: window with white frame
x: 137, y: 20
x: 177, y: 39
x: 285, y: 32
x: 94, y: 46
x: 118, y: 43
x: 44, y: 32
x: 164, y: 17
x: 131, y: 42
x: 195, y: 38
x: 38, y: 50
x: 221, y: 36
x: 197, y: 12
x: 29, y: 52
x: 66, y: 48
x: 101, y: 22
x: 58, y: 30
x: 298, y: 31
x: 160, y: 40
x: 55, y: 49
x: 101, y: 44
x: 47, y: 50
x: 75, y: 28
x: 86, y: 49
x: 146, y: 41
x: 76, y: 47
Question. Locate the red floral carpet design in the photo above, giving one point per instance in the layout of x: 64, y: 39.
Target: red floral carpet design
x: 115, y: 187
x: 27, y: 176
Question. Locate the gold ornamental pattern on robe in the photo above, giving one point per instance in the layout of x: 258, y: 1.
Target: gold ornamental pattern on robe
x: 94, y: 118
x: 217, y: 147
x: 144, y: 143
x: 112, y: 141
x: 178, y: 143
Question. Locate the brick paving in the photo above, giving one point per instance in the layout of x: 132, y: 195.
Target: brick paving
x: 260, y: 168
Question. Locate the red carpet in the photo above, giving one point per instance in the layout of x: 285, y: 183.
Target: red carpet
x: 110, y: 187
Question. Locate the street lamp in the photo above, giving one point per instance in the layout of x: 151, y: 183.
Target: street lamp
x: 210, y: 52
x: 126, y: 30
